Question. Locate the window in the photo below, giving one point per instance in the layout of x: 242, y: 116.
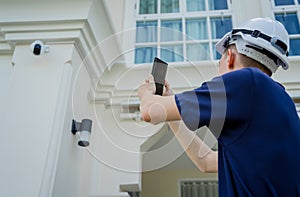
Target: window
x: 180, y: 31
x: 148, y: 7
x: 195, y: 5
x: 290, y: 21
x: 217, y: 5
x: 171, y: 30
x: 195, y: 188
x: 284, y: 2
x: 196, y: 29
x: 287, y: 12
x: 169, y: 6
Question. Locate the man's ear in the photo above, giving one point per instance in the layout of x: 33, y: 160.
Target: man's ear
x: 230, y: 59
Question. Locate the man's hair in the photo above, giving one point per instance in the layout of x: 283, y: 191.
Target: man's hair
x: 249, y: 62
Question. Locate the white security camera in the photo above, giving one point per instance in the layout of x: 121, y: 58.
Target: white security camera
x: 38, y: 47
x: 84, y: 129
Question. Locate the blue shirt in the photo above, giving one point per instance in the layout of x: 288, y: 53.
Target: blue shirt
x: 258, y: 132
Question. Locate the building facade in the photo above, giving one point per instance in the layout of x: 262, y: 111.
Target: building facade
x: 73, y: 60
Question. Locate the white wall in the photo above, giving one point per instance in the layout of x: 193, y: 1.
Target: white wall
x: 42, y: 94
x: 72, y: 176
x: 33, y: 10
x: 32, y: 119
x: 6, y: 77
x: 116, y: 151
x: 245, y: 10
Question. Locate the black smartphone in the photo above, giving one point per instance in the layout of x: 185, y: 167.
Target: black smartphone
x: 159, y: 72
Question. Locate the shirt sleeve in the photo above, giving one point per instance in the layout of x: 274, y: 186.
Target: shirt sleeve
x: 216, y: 102
x: 196, y: 106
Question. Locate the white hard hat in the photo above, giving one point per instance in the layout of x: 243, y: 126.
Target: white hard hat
x: 264, y: 40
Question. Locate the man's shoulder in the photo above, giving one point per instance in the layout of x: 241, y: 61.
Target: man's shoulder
x: 245, y: 75
x: 241, y: 75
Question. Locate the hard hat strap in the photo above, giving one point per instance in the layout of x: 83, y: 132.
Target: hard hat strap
x: 281, y: 46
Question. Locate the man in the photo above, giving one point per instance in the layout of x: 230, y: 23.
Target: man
x: 253, y: 118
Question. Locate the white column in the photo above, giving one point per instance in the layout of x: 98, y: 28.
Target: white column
x: 33, y: 120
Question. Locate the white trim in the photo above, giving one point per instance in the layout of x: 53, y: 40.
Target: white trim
x: 298, y: 108
x: 77, y: 32
x: 134, y: 187
x: 48, y: 180
x: 110, y: 95
x: 293, y: 89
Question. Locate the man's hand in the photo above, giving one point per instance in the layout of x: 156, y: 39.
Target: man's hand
x: 147, y: 88
x: 167, y: 89
x: 155, y: 108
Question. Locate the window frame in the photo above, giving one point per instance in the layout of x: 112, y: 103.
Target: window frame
x: 182, y: 15
x: 288, y: 9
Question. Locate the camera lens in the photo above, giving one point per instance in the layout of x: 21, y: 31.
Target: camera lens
x: 37, y: 49
x: 83, y: 143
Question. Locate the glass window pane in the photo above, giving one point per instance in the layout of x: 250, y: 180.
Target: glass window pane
x: 195, y: 5
x: 145, y: 54
x: 171, y: 30
x: 196, y: 52
x: 218, y: 5
x: 284, y: 2
x: 169, y: 6
x: 146, y: 31
x: 220, y: 27
x: 196, y: 29
x: 172, y: 53
x: 148, y: 7
x: 294, y: 47
x: 290, y: 21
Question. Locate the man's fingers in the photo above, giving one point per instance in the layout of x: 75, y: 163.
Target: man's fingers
x: 150, y: 78
x: 167, y: 85
x: 148, y: 86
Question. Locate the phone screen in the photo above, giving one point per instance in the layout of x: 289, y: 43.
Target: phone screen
x: 159, y: 72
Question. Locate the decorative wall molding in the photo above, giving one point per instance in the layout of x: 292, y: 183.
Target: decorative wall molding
x: 77, y: 32
x: 110, y: 96
x: 293, y: 88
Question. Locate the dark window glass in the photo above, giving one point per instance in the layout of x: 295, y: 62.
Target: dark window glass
x: 220, y: 26
x: 196, y: 29
x: 294, y: 47
x: 171, y: 30
x: 148, y: 7
x: 145, y: 54
x: 172, y: 53
x: 284, y: 2
x: 169, y: 6
x: 218, y: 4
x: 195, y: 5
x: 290, y: 21
x: 146, y: 31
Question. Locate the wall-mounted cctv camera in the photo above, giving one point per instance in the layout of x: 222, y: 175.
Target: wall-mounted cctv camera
x: 38, y: 48
x: 83, y: 129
